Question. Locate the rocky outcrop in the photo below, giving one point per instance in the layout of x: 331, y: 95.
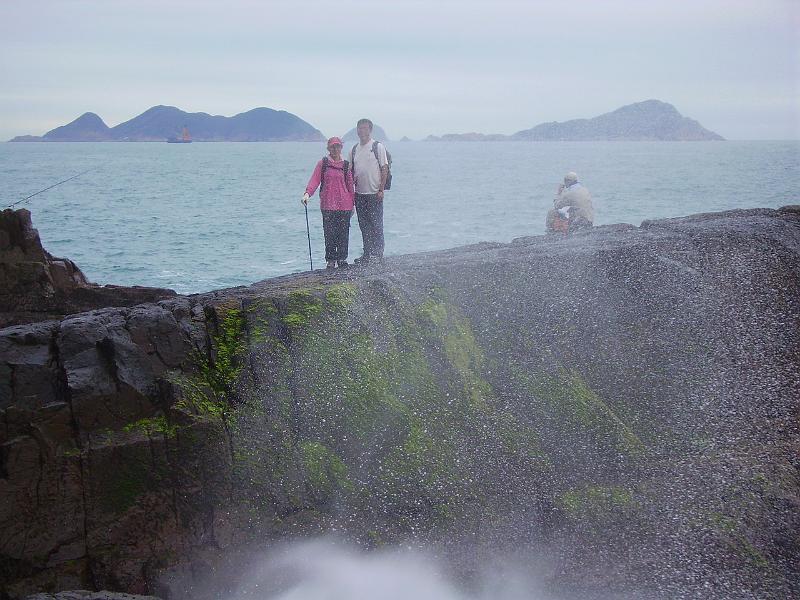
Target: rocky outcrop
x: 623, y: 401
x: 35, y: 286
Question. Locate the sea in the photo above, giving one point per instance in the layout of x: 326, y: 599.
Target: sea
x: 203, y: 216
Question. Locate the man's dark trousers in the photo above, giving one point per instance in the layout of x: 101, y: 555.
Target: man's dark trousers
x: 336, y: 226
x: 370, y: 220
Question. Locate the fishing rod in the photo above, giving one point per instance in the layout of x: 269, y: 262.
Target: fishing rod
x: 49, y: 188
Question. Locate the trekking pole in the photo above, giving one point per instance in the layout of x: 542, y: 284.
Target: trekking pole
x: 308, y: 233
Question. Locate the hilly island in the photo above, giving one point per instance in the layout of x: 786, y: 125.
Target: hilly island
x: 162, y: 122
x: 651, y: 120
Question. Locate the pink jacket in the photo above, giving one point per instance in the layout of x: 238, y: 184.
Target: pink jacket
x: 337, y: 193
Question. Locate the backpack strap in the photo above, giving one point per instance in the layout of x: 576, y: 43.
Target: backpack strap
x: 322, y: 174
x: 375, y: 151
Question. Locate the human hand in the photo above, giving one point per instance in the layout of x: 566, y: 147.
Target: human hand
x: 379, y: 194
x: 305, y: 198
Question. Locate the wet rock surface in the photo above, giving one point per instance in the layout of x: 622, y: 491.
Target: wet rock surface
x: 87, y: 595
x: 624, y: 400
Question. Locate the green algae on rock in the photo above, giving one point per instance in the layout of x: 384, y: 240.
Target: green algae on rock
x: 623, y: 412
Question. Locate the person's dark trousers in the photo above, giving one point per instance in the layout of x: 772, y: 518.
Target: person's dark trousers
x: 370, y: 220
x: 578, y: 224
x: 336, y: 225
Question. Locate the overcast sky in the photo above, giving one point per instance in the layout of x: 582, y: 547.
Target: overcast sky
x: 415, y: 67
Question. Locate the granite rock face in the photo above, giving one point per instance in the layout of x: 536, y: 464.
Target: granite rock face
x: 623, y: 400
x: 35, y: 286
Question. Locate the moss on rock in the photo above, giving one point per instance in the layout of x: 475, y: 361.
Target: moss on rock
x: 152, y: 426
x: 325, y: 471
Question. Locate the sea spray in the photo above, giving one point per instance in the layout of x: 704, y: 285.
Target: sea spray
x: 330, y: 569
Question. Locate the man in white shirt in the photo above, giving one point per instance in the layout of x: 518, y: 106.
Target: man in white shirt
x: 370, y: 168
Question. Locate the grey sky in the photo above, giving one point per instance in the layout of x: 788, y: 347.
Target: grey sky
x: 415, y: 67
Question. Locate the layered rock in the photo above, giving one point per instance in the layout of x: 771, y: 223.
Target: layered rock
x: 623, y: 400
x: 34, y: 285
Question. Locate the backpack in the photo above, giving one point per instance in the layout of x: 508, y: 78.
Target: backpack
x: 325, y: 165
x: 388, y: 184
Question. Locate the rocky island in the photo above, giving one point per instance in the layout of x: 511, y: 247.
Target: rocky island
x: 377, y: 134
x: 159, y: 123
x: 627, y: 424
x: 651, y: 120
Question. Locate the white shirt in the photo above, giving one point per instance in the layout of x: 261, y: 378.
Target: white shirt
x: 368, y: 168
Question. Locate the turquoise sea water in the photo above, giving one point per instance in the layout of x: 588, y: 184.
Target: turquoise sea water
x: 196, y: 217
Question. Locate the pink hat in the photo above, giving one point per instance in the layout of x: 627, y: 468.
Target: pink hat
x: 335, y: 140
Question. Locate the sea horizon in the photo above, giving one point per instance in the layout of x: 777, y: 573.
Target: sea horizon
x: 208, y: 216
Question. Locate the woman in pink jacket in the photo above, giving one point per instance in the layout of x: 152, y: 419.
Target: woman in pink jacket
x: 335, y: 180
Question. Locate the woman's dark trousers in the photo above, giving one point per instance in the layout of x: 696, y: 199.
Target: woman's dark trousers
x: 336, y: 225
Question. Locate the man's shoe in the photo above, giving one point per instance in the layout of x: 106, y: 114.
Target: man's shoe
x: 342, y: 264
x: 362, y: 261
x: 331, y: 265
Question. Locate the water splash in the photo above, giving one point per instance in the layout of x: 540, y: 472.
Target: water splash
x: 327, y: 569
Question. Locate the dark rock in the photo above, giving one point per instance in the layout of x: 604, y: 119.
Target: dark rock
x: 633, y: 416
x: 87, y: 595
x: 36, y: 286
x: 30, y: 365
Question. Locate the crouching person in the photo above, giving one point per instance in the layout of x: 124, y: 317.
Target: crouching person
x: 573, y: 195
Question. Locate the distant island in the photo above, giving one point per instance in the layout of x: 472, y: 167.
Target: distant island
x: 160, y: 123
x: 377, y: 134
x: 651, y: 120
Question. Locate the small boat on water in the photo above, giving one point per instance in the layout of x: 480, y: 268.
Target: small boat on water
x: 184, y: 139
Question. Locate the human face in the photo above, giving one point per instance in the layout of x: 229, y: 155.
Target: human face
x: 335, y: 150
x: 364, y: 132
